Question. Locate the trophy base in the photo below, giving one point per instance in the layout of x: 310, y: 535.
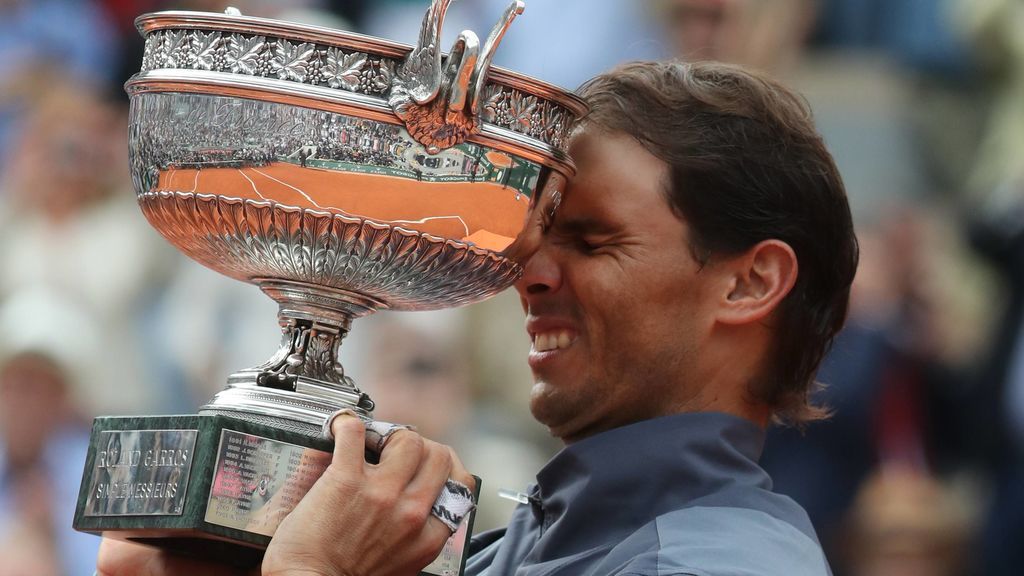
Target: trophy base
x: 207, y: 486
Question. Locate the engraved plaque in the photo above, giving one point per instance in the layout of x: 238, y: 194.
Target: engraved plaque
x: 258, y: 481
x: 140, y: 473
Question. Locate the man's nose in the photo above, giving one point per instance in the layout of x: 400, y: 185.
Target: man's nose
x: 542, y: 273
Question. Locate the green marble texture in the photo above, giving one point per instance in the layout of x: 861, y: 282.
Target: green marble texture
x: 187, y: 533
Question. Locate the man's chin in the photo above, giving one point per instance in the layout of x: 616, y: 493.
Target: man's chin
x: 553, y: 409
x: 543, y: 403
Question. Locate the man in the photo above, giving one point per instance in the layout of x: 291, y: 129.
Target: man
x: 680, y: 297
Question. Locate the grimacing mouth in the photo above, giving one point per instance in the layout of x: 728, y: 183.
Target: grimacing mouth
x: 558, y: 339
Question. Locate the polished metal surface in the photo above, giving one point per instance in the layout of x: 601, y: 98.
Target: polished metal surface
x: 340, y: 173
x: 440, y: 103
x: 257, y: 481
x: 140, y: 473
x: 239, y: 47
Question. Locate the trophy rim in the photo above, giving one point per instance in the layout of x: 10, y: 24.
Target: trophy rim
x: 189, y: 19
x: 171, y: 80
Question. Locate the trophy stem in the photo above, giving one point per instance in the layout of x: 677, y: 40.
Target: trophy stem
x: 303, y: 382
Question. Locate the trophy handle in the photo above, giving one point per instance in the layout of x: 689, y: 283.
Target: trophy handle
x: 430, y: 98
x: 493, y: 39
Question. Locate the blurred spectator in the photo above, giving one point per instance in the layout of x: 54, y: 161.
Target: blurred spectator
x: 998, y: 423
x: 997, y: 187
x: 896, y: 376
x: 40, y: 39
x: 994, y: 27
x: 48, y: 347
x: 916, y: 34
x: 71, y: 226
x: 904, y: 523
x: 767, y: 35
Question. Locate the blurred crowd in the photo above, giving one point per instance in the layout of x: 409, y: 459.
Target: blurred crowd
x: 920, y: 470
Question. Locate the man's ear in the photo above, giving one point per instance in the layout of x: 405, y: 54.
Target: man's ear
x: 758, y: 279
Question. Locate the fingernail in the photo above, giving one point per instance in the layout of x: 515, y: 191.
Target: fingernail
x: 327, y: 431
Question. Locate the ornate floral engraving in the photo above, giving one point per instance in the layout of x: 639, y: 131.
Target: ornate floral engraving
x: 496, y: 105
x: 208, y: 49
x: 176, y: 50
x: 377, y: 77
x: 335, y: 67
x: 153, y: 51
x: 308, y: 349
x: 553, y: 126
x: 248, y: 239
x: 343, y: 70
x: 520, y: 108
x: 292, y: 61
x: 245, y: 55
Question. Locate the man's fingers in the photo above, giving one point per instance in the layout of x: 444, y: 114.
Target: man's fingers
x: 401, y: 458
x: 119, y: 558
x: 433, y: 471
x: 349, y: 441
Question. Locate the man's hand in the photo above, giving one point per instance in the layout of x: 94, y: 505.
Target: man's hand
x: 362, y: 519
x: 358, y: 519
x: 119, y: 558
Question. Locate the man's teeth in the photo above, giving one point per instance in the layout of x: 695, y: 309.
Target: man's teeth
x: 552, y: 340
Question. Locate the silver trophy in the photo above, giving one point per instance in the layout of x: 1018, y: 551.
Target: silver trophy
x: 342, y: 174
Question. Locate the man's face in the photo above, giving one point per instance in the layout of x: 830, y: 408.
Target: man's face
x: 617, y: 307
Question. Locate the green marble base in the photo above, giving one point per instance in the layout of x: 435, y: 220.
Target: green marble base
x: 208, y: 486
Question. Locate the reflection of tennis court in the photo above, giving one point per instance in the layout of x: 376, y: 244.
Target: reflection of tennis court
x: 484, y: 213
x: 498, y: 159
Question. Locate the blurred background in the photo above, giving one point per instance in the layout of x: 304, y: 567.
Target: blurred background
x: 921, y: 470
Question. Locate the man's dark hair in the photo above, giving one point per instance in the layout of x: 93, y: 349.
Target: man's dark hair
x: 747, y: 165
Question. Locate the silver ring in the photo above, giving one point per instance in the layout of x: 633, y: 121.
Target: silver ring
x: 325, y: 430
x: 377, y: 432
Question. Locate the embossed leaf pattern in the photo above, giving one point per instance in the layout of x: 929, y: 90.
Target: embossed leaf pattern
x: 342, y: 70
x: 244, y: 54
x: 153, y: 56
x: 261, y: 217
x: 521, y: 109
x: 291, y: 226
x: 316, y: 236
x: 363, y: 253
x: 381, y: 81
x: 249, y: 239
x: 291, y: 61
x: 357, y: 72
x: 236, y: 227
x: 347, y: 230
x: 494, y: 104
x: 206, y: 45
x: 555, y: 127
x: 320, y: 358
x: 175, y: 46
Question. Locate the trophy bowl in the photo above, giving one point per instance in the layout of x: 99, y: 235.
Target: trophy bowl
x: 342, y: 174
